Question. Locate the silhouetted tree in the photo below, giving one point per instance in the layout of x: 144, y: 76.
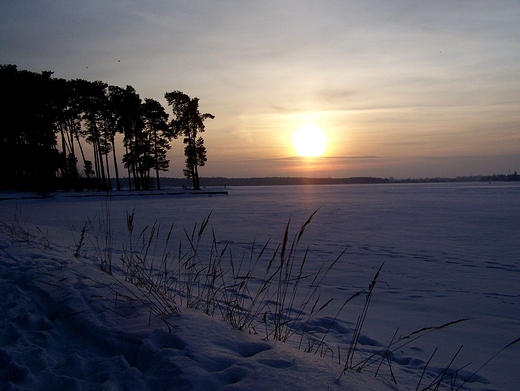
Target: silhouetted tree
x: 77, y: 132
x: 29, y: 158
x: 132, y: 126
x: 68, y: 126
x: 45, y: 121
x: 188, y: 121
x: 159, y: 135
x: 94, y: 101
x: 114, y: 121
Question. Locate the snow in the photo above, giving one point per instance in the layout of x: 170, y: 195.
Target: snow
x: 449, y: 252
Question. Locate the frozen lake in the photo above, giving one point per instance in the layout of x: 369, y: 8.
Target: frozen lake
x: 450, y: 251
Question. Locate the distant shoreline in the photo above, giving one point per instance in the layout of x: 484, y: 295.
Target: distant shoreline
x: 222, y: 183
x: 277, y: 181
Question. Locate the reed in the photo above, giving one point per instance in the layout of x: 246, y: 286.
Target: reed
x: 268, y: 290
x: 16, y: 228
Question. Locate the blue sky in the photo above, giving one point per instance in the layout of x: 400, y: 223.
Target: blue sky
x: 400, y: 88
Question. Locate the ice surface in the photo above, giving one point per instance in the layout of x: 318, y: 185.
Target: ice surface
x: 450, y: 251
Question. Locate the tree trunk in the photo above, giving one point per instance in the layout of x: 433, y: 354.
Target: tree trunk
x: 195, y: 174
x: 156, y: 162
x: 109, y: 184
x: 115, y: 164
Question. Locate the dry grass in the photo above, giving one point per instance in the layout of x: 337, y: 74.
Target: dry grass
x: 16, y: 228
x: 267, y: 291
x: 268, y: 302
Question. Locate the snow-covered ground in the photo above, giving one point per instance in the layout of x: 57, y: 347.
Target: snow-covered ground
x: 449, y: 252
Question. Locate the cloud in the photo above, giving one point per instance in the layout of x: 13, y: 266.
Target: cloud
x: 393, y: 78
x: 319, y: 159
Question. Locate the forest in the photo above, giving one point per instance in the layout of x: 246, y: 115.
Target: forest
x: 62, y: 134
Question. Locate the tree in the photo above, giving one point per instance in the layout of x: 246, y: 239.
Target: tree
x: 159, y: 135
x: 188, y: 121
x: 29, y: 158
x: 94, y: 101
x: 46, y: 120
x: 132, y: 126
x: 68, y: 126
x: 114, y: 121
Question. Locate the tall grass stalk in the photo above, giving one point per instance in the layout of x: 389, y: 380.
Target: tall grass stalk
x: 16, y: 227
x: 360, y: 322
x: 401, y: 343
x: 104, y: 246
x: 516, y: 341
x: 273, y: 299
x: 282, y: 298
x: 87, y: 226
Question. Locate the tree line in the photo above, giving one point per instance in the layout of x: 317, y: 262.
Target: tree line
x: 47, y: 124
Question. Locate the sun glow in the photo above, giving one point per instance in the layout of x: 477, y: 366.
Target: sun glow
x: 309, y: 141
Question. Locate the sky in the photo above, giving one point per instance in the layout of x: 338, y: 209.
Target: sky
x: 399, y: 88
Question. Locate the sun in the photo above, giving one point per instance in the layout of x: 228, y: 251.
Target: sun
x: 309, y: 141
